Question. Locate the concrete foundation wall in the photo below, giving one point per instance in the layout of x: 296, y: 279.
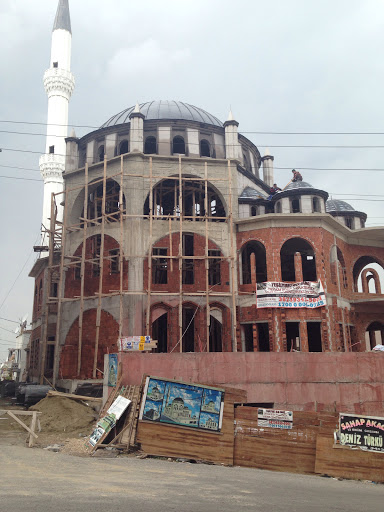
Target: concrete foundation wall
x: 352, y: 382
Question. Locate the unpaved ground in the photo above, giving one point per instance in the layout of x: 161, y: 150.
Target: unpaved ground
x: 41, y: 481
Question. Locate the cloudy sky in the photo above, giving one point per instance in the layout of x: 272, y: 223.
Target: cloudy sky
x: 297, y: 66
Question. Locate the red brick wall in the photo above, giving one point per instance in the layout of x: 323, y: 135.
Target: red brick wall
x: 91, y: 283
x: 109, y: 332
x: 294, y: 381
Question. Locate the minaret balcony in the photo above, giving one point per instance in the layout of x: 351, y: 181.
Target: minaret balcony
x: 52, y: 167
x: 59, y: 82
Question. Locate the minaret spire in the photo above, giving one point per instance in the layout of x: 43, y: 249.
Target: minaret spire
x: 63, y: 19
x: 59, y: 84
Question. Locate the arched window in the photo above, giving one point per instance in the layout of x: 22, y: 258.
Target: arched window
x: 112, y: 201
x: 205, y: 149
x: 150, y: 146
x: 338, y: 267
x: 160, y: 330
x: 315, y: 205
x: 258, y: 249
x: 123, y: 147
x: 166, y: 201
x: 363, y: 268
x: 100, y: 153
x: 295, y: 206
x: 287, y: 260
x: 278, y: 207
x: 253, y: 211
x: 215, y: 334
x: 178, y: 145
x: 349, y: 222
x: 188, y: 327
x: 374, y: 335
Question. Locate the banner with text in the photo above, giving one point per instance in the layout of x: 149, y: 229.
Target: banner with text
x: 362, y: 431
x: 305, y: 294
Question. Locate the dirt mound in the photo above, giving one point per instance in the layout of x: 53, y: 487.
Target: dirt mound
x: 64, y: 415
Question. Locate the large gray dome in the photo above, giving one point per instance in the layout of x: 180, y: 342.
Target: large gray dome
x: 335, y: 205
x: 163, y: 109
x: 297, y: 184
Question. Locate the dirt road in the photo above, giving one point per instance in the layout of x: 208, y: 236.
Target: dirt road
x: 35, y: 480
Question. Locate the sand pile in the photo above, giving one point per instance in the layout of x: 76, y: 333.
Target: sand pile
x: 64, y: 415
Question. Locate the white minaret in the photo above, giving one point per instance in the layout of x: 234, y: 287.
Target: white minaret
x: 59, y: 84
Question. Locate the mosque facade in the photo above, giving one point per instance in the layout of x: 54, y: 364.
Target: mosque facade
x: 164, y: 224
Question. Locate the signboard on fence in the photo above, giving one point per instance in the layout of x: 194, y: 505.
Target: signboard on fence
x: 136, y: 343
x: 364, y: 432
x: 274, y: 418
x: 305, y: 294
x: 112, y: 369
x: 186, y: 405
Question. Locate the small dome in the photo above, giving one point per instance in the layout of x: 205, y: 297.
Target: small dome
x: 297, y: 184
x: 162, y: 109
x: 335, y: 205
x: 178, y: 400
x: 251, y: 193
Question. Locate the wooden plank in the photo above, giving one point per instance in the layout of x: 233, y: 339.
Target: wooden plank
x: 33, y: 427
x: 22, y: 424
x: 173, y: 441
x: 344, y: 462
x: 74, y: 397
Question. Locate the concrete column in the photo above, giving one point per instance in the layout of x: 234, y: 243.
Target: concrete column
x: 164, y: 140
x: 136, y: 132
x: 90, y: 156
x: 110, y: 145
x: 285, y: 205
x: 72, y: 153
x: 298, y: 267
x: 268, y: 168
x: 192, y: 142
x: 306, y: 204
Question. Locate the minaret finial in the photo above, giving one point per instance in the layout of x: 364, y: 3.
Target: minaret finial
x: 63, y: 19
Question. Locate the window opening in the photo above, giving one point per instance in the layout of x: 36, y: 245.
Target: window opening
x: 160, y: 333
x: 112, y: 202
x: 123, y: 147
x: 150, y: 146
x: 51, y: 149
x: 50, y: 355
x: 114, y: 256
x: 314, y: 337
x: 215, y: 335
x: 55, y: 64
x: 178, y: 145
x: 349, y: 222
x: 316, y: 204
x: 258, y: 249
x: 188, y: 266
x: 287, y: 259
x: 295, y: 206
x: 100, y: 153
x: 166, y: 200
x: 205, y: 149
x: 159, y: 266
x: 214, y: 267
x: 263, y: 334
x: 253, y: 211
x: 292, y: 330
x: 248, y: 337
x: 188, y: 327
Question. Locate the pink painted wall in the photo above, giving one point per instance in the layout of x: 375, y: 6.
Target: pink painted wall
x: 347, y: 382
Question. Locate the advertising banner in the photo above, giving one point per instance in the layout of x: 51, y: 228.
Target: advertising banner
x: 112, y: 370
x: 305, y: 294
x: 364, y: 432
x: 182, y: 404
x: 136, y: 343
x: 274, y: 418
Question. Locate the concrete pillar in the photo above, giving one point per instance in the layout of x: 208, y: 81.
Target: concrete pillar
x: 136, y: 133
x: 110, y: 145
x: 192, y: 142
x: 164, y: 140
x: 90, y: 156
x: 285, y: 205
x: 267, y: 160
x: 298, y: 267
x: 232, y: 148
x: 306, y: 204
x: 72, y: 153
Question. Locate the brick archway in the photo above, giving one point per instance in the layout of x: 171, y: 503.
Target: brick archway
x: 109, y: 332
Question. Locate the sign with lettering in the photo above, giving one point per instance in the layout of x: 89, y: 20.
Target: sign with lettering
x: 305, y: 294
x: 364, y: 432
x: 274, y: 418
x: 136, y: 343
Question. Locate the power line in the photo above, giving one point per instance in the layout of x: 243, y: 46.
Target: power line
x: 8, y: 320
x: 247, y: 131
x: 23, y: 179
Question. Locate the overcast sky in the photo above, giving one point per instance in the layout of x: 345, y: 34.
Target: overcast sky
x: 283, y: 66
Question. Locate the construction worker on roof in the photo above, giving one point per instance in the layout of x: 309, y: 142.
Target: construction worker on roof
x: 296, y: 176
